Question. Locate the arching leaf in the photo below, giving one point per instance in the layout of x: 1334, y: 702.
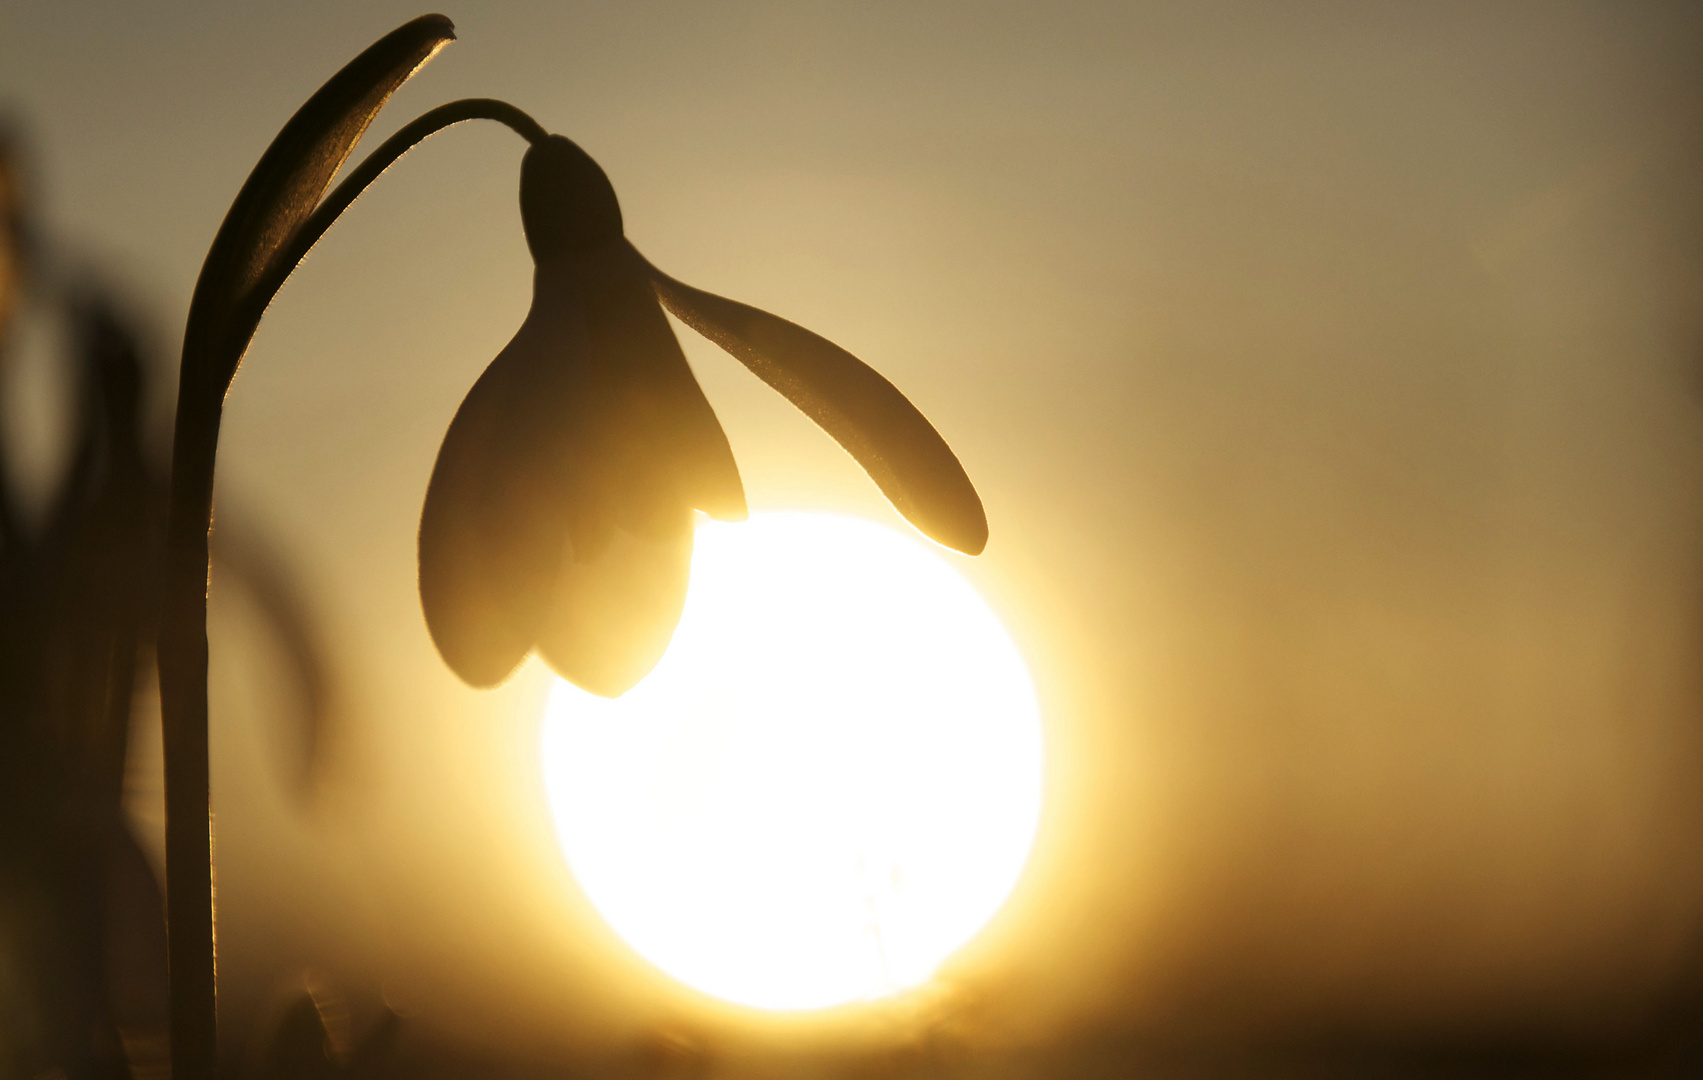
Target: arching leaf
x: 288, y: 182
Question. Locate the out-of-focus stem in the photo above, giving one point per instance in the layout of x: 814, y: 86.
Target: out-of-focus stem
x: 183, y: 616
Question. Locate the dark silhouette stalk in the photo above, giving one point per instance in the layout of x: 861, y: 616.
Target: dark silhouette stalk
x: 406, y: 138
x: 211, y: 353
x: 183, y: 704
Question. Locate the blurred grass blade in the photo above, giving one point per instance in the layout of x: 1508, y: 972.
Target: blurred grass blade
x: 300, y: 1048
x: 263, y: 573
x: 291, y: 177
x: 866, y: 414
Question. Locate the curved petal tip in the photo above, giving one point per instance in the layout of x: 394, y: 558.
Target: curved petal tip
x: 865, y: 414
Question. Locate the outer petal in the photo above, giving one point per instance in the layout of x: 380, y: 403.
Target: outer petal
x: 659, y: 452
x: 864, y: 412
x: 560, y: 509
x: 501, y: 505
x: 658, y: 419
x: 610, y: 618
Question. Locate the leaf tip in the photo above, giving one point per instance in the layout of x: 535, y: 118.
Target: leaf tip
x: 442, y: 26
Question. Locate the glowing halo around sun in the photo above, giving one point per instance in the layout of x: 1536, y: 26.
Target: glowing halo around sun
x: 827, y: 786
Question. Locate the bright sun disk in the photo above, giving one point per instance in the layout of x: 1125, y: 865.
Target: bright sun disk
x: 826, y: 787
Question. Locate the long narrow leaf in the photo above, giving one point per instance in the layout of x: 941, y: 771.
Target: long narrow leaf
x: 289, y: 180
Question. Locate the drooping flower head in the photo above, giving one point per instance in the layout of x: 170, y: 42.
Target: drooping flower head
x: 559, y: 514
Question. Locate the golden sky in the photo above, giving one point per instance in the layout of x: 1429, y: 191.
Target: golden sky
x: 1330, y: 373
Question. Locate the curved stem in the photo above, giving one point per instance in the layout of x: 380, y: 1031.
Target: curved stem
x: 182, y: 659
x: 182, y: 652
x: 331, y: 208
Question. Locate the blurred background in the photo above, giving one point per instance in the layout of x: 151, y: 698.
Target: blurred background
x: 1333, y: 377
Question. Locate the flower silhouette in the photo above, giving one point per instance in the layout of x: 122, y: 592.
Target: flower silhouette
x: 559, y: 513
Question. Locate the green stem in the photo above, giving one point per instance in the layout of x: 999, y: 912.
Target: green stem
x: 183, y: 615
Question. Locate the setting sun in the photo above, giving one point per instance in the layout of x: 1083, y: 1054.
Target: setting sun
x: 826, y: 787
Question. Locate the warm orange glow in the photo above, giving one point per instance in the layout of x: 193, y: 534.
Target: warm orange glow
x: 827, y: 786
